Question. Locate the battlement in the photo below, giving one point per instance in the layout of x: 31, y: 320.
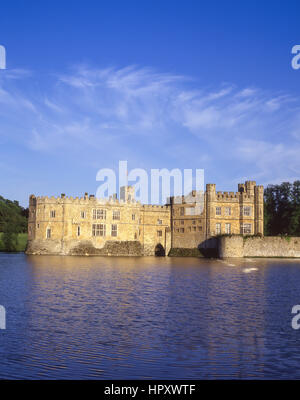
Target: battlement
x: 259, y: 188
x: 149, y: 207
x: 228, y: 195
x: 78, y: 200
x: 245, y: 191
x: 232, y: 196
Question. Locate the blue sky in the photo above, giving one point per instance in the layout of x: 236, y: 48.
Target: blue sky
x: 161, y: 84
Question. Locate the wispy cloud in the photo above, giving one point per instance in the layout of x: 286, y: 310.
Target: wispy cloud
x: 149, y: 116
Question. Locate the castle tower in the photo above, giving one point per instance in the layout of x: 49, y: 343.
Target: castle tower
x: 241, y: 188
x: 259, y: 210
x: 32, y: 217
x: 210, y: 200
x: 250, y: 186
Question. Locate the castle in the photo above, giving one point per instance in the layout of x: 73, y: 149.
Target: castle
x: 90, y: 226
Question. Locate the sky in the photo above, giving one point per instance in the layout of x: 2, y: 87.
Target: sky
x: 160, y: 84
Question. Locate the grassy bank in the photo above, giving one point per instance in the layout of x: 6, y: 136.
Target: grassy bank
x: 21, y: 242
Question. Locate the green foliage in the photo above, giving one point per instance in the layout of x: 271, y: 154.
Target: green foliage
x: 13, y: 222
x: 20, y: 242
x: 9, y: 238
x: 282, y: 209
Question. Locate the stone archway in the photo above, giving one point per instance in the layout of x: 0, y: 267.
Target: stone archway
x: 159, y: 250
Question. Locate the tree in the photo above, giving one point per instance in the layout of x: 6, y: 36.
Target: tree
x: 294, y: 224
x: 13, y: 220
x: 11, y: 212
x: 9, y: 238
x: 282, y: 209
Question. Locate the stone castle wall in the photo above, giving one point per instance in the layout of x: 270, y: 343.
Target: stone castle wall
x: 267, y: 246
x: 86, y: 225
x: 65, y: 226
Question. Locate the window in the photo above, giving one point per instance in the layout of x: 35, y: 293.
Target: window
x: 182, y: 222
x: 246, y: 228
x: 133, y: 217
x: 218, y: 229
x: 194, y: 228
x: 83, y: 214
x: 159, y: 233
x: 181, y: 210
x: 247, y: 211
x: 99, y: 230
x: 78, y: 230
x: 135, y: 236
x: 99, y: 214
x: 199, y: 228
x: 38, y: 225
x: 194, y: 222
x: 48, y: 233
x: 52, y: 214
x: 227, y: 210
x: 181, y: 230
x: 159, y: 221
x: 218, y: 210
x: 116, y: 214
x: 114, y: 230
x: 228, y: 228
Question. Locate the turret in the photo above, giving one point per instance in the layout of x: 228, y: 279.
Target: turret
x: 241, y: 188
x: 259, y: 209
x: 210, y: 199
x: 211, y: 190
x: 32, y: 200
x: 250, y: 185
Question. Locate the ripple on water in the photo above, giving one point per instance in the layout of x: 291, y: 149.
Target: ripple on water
x: 89, y: 318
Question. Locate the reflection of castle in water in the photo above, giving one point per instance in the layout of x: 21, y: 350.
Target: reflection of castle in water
x: 87, y: 226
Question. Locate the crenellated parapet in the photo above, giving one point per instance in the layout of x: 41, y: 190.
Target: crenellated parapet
x: 85, y: 200
x: 228, y: 195
x: 151, y: 207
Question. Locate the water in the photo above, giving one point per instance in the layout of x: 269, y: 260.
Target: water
x: 139, y: 318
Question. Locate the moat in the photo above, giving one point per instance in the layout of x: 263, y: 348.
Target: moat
x: 147, y: 317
